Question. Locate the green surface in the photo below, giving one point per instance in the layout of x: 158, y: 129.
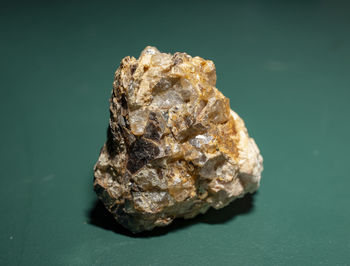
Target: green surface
x: 285, y: 68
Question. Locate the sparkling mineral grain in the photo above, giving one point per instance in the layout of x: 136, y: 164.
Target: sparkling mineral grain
x: 174, y: 147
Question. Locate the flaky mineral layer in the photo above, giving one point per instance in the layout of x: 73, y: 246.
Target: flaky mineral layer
x: 174, y: 147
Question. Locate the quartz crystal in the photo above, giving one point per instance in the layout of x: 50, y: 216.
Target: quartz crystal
x: 174, y: 147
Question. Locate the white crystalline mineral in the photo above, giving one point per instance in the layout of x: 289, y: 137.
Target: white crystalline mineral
x: 174, y: 147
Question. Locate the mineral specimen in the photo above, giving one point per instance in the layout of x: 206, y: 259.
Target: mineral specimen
x: 174, y: 147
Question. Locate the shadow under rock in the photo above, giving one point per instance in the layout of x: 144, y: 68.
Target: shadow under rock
x: 100, y: 217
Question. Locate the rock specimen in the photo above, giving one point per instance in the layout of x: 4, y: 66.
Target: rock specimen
x: 174, y: 147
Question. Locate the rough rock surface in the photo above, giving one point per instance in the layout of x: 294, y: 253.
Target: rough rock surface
x: 174, y: 147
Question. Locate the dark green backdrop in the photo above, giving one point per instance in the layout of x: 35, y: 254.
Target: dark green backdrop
x: 284, y: 66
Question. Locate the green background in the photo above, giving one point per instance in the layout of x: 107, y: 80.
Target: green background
x: 285, y: 67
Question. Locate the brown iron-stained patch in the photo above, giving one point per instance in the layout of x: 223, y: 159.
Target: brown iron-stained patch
x: 152, y: 132
x: 140, y: 153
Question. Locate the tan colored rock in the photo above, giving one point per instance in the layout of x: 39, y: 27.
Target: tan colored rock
x: 174, y: 147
